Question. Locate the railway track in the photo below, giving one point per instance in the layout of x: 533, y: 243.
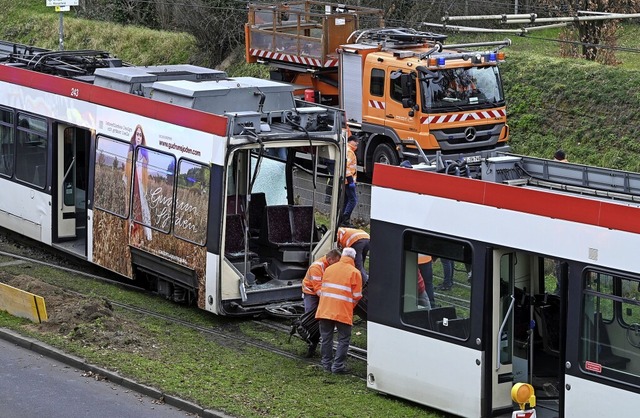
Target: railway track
x: 277, y: 325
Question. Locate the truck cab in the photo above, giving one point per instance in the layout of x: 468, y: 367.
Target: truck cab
x: 417, y: 99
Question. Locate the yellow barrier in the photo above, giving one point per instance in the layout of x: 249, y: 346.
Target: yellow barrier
x: 23, y: 304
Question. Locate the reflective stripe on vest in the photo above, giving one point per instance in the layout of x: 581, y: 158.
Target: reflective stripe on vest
x: 355, y: 237
x: 330, y: 294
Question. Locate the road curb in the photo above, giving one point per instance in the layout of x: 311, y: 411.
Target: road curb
x: 113, y: 377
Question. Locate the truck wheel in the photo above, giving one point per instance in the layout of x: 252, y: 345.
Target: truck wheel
x: 385, y: 154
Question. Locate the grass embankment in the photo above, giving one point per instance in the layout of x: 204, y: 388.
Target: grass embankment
x: 588, y: 109
x: 30, y: 22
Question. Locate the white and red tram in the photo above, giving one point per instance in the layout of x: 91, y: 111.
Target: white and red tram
x: 176, y: 174
x: 546, y: 288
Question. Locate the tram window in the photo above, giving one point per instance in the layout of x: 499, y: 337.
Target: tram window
x: 437, y: 291
x: 270, y: 180
x: 112, y: 185
x: 610, y: 347
x: 152, y: 197
x: 192, y: 199
x: 630, y: 302
x: 7, y: 146
x: 31, y: 150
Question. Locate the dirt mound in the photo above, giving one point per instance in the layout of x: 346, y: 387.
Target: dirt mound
x: 89, y: 320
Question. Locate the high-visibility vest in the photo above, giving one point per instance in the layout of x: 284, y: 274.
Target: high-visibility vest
x: 340, y: 292
x: 313, y: 279
x: 348, y: 236
x: 352, y: 163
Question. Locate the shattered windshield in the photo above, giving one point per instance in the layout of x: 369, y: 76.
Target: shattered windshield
x: 456, y: 88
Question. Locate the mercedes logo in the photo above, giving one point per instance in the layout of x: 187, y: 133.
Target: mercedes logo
x: 470, y: 133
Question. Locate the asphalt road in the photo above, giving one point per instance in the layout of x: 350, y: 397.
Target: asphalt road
x: 35, y: 386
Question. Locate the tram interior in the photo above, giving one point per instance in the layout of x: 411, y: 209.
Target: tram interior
x: 276, y: 216
x: 533, y: 284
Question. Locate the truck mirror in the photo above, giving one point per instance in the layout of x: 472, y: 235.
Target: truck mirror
x: 407, y: 82
x: 407, y: 103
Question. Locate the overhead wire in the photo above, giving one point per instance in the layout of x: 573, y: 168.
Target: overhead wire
x: 398, y: 22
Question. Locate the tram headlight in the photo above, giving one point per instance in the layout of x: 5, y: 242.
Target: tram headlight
x: 522, y: 394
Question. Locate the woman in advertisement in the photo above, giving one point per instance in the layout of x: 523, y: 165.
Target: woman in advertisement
x: 141, y: 212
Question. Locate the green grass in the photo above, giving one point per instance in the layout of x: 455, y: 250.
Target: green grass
x: 211, y: 371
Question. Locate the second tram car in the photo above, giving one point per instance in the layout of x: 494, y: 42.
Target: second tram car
x: 546, y: 288
x: 175, y: 174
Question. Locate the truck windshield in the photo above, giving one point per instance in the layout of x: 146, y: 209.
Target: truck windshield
x: 462, y: 88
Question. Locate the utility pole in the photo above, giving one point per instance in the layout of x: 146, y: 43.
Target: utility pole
x: 62, y: 6
x: 61, y: 28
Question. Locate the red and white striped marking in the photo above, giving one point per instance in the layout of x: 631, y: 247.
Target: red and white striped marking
x: 296, y: 59
x: 462, y: 117
x: 376, y: 104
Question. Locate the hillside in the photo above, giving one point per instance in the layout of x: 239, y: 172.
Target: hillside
x: 32, y: 23
x: 588, y: 109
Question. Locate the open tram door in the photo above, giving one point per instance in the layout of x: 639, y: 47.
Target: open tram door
x: 525, y: 330
x: 70, y: 188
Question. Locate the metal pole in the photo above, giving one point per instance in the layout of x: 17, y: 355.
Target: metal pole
x: 61, y: 33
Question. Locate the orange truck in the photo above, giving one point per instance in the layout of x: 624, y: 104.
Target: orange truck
x: 406, y: 94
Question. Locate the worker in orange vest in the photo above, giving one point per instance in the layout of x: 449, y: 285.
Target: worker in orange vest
x: 351, y: 195
x: 313, y: 279
x: 311, y: 288
x: 340, y: 292
x: 359, y: 241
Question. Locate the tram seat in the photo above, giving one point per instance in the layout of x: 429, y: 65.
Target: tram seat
x: 256, y: 213
x: 277, y: 226
x: 287, y: 228
x: 302, y: 224
x: 457, y: 327
x: 438, y: 314
x: 235, y: 204
x: 548, y: 320
x: 521, y: 311
x: 605, y: 355
x: 234, y: 239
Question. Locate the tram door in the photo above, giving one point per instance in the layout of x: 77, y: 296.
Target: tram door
x: 526, y: 318
x: 512, y: 279
x: 501, y: 366
x: 70, y: 184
